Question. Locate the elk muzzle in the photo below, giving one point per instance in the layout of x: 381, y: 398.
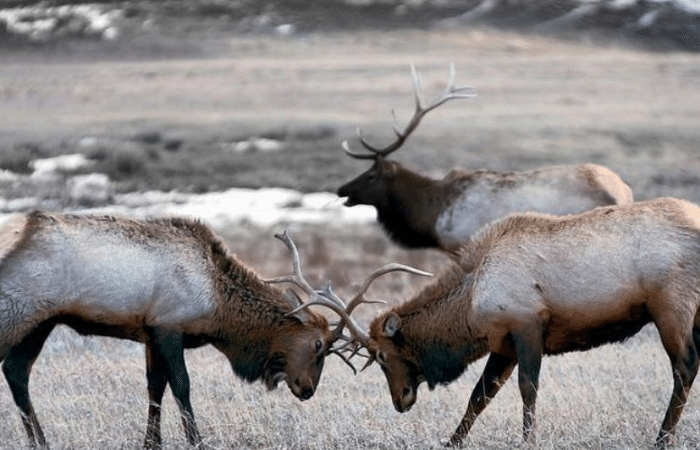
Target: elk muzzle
x: 303, y: 388
x: 349, y: 193
x: 404, y: 400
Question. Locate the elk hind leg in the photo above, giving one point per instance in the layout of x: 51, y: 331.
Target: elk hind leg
x: 496, y: 372
x: 529, y: 347
x: 169, y: 349
x: 17, y: 367
x: 684, y: 365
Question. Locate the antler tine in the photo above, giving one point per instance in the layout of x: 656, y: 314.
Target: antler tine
x: 451, y: 92
x: 296, y: 278
x: 356, y: 155
x: 328, y: 293
x: 336, y: 304
x: 360, y: 299
x: 416, y: 87
x: 391, y: 267
x: 345, y: 360
x: 320, y: 299
x: 325, y: 297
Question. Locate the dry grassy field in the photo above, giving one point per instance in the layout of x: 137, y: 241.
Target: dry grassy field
x: 541, y: 101
x: 90, y: 392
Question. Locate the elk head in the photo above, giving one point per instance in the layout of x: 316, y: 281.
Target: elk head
x: 401, y: 371
x: 299, y: 352
x: 373, y: 186
x: 324, y: 342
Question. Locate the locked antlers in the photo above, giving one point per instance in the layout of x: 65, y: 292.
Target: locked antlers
x: 451, y: 92
x: 326, y: 297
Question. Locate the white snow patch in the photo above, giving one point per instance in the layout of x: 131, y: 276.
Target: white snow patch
x: 63, y: 163
x: 257, y: 145
x: 40, y: 22
x: 261, y: 207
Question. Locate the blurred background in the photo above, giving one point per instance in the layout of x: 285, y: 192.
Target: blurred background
x: 202, y: 96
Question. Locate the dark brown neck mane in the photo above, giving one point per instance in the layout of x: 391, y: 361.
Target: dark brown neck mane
x: 257, y: 311
x: 411, y: 210
x: 441, y: 346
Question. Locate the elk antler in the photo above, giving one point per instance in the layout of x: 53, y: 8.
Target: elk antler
x: 451, y: 92
x: 359, y: 298
x: 318, y: 298
x: 357, y: 343
x: 329, y: 299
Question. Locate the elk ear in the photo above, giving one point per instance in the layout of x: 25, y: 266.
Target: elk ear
x: 295, y: 302
x: 392, y: 323
x: 293, y: 299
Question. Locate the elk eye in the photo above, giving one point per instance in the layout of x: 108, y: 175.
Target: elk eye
x: 319, y: 346
x: 381, y: 357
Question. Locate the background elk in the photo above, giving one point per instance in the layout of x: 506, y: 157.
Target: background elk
x: 419, y: 212
x: 169, y: 283
x: 533, y: 285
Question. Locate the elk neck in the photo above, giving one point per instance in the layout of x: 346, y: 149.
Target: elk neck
x: 251, y: 316
x: 441, y: 346
x: 412, y: 208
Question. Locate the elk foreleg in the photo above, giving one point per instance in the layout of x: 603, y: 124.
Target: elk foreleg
x: 17, y: 367
x: 684, y: 364
x: 529, y: 347
x: 497, y: 371
x: 168, y: 348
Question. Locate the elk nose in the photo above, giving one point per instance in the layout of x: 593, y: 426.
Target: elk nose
x: 303, y: 392
x: 307, y: 393
x: 408, y: 398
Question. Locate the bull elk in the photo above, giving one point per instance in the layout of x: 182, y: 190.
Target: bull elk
x: 168, y: 283
x: 533, y: 285
x: 420, y: 212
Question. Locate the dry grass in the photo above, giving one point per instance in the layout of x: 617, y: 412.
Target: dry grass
x: 90, y: 392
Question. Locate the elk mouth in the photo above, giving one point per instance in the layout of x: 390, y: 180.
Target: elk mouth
x: 406, y: 401
x: 303, y: 394
x: 403, y: 408
x: 344, y: 191
x: 349, y: 202
x: 348, y: 198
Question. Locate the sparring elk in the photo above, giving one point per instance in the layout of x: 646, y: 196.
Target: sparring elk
x: 533, y: 285
x: 168, y: 283
x: 419, y: 212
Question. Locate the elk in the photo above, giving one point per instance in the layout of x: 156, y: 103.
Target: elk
x: 168, y: 283
x: 533, y: 284
x: 419, y: 212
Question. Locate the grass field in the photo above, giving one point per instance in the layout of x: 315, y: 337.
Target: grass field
x: 90, y: 392
x: 611, y: 398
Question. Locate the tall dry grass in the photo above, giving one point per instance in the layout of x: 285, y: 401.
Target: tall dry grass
x: 91, y: 392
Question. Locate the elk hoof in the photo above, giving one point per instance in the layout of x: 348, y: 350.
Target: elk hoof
x: 665, y: 440
x: 454, y: 442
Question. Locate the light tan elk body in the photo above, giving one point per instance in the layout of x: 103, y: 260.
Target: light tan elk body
x: 419, y: 212
x: 533, y: 285
x: 169, y: 283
